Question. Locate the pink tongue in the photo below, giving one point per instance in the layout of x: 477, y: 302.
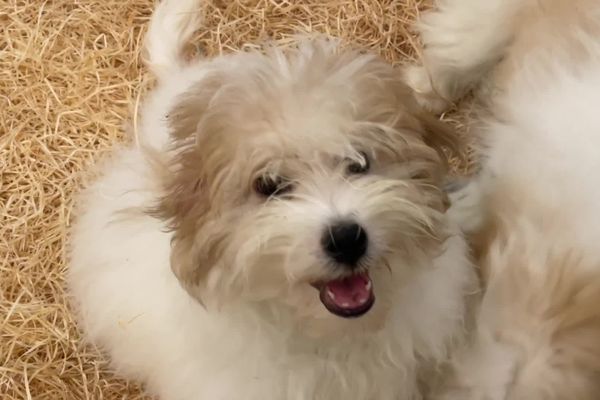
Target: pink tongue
x: 350, y: 292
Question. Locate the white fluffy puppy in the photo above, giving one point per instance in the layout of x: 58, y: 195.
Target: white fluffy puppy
x: 535, y: 209
x: 269, y: 199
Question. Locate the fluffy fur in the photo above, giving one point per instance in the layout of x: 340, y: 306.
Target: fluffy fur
x: 533, y: 211
x: 201, y: 287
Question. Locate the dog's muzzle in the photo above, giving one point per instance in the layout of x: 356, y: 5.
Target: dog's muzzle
x: 346, y: 243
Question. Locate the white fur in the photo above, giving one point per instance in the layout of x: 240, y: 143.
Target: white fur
x: 132, y: 305
x: 542, y: 139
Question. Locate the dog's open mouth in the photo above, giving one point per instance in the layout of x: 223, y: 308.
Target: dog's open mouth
x: 347, y: 297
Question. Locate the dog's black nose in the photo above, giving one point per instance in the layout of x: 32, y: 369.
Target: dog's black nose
x: 345, y: 241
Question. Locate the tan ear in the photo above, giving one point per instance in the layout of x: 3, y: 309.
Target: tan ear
x: 191, y: 106
x: 185, y: 203
x: 194, y: 256
x: 441, y: 136
x: 183, y: 206
x: 185, y: 173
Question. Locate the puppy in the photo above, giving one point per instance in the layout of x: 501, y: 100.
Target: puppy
x: 278, y: 230
x: 533, y: 211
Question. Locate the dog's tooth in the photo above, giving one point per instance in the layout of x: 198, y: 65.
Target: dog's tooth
x: 330, y: 294
x: 369, y: 285
x: 345, y: 304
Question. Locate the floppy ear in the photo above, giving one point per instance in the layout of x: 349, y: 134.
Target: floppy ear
x: 182, y: 174
x: 188, y: 176
x: 186, y: 172
x: 191, y: 106
x: 440, y: 136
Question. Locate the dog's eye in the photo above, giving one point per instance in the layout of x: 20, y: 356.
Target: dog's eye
x: 271, y: 185
x: 359, y: 167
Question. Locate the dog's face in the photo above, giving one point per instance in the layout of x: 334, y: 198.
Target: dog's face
x: 304, y: 180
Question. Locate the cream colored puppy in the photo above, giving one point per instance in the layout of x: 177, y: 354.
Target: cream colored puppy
x: 535, y: 209
x: 277, y: 232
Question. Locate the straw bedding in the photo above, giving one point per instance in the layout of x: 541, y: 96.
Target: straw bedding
x: 71, y: 79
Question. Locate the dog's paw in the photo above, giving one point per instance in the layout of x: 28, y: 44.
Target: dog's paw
x: 419, y: 80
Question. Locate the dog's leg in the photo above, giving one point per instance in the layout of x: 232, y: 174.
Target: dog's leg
x: 171, y: 27
x: 462, y: 40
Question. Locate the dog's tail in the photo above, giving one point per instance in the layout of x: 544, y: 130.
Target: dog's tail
x: 171, y: 27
